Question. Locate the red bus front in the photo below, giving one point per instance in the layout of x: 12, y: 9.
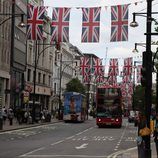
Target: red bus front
x: 109, y: 106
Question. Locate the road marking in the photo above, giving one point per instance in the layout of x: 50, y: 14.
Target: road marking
x: 83, y: 156
x: 116, y: 154
x: 82, y: 146
x: 27, y: 154
x: 121, y: 138
x: 70, y: 137
x: 57, y: 142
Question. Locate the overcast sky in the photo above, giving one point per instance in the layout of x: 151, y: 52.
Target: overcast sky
x: 118, y: 50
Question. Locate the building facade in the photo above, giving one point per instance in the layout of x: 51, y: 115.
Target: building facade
x: 13, y: 51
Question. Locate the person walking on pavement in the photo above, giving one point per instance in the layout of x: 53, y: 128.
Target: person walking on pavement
x: 141, y: 145
x: 4, y: 114
x: 10, y: 116
x: 155, y: 135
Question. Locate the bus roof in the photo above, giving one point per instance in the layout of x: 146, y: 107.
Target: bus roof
x: 73, y: 93
x: 109, y: 86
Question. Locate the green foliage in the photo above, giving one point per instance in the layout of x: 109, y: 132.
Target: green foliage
x: 75, y: 86
x: 139, y: 98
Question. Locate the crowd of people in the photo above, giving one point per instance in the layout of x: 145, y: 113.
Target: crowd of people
x: 25, y: 116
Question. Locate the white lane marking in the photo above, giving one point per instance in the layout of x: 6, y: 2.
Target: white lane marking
x: 57, y: 142
x: 27, y: 154
x: 121, y: 138
x: 70, y: 137
x: 114, y: 155
x: 82, y: 146
x: 83, y: 156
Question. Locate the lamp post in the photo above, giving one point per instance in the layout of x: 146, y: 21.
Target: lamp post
x: 135, y: 62
x: 34, y: 76
x: 148, y: 67
x: 60, y: 84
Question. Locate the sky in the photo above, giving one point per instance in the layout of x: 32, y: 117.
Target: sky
x: 104, y: 48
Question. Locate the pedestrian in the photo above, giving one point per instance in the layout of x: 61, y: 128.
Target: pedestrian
x: 10, y: 116
x: 4, y: 114
x: 155, y: 135
x: 142, y: 139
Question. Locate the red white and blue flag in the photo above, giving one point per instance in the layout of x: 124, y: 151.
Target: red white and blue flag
x: 119, y: 23
x: 126, y: 79
x: 130, y: 88
x: 35, y: 19
x: 84, y: 65
x: 100, y: 79
x: 90, y: 24
x: 113, y: 68
x: 112, y: 80
x: 86, y: 78
x: 98, y: 67
x: 60, y: 25
x: 127, y: 68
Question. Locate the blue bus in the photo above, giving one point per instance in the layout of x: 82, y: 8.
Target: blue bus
x: 74, y: 107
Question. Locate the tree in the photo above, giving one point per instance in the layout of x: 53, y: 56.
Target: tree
x: 75, y: 86
x: 138, y: 98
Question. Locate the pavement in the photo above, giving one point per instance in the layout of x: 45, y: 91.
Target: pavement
x: 129, y: 153
x: 7, y: 127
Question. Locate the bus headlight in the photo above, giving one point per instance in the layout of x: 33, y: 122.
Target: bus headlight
x: 117, y: 120
x: 99, y: 120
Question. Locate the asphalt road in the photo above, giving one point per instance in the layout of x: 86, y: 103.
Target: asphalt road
x: 67, y: 140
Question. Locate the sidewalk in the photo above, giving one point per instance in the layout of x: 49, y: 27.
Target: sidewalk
x: 16, y: 125
x: 133, y: 152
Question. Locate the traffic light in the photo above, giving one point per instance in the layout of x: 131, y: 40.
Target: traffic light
x: 143, y: 71
x: 143, y: 76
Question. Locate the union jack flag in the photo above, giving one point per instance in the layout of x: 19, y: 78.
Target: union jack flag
x: 84, y: 65
x: 86, y: 78
x: 112, y: 80
x: 139, y: 73
x: 113, y: 69
x: 126, y: 79
x: 97, y: 66
x: 119, y: 23
x: 35, y: 18
x: 127, y: 68
x: 130, y: 88
x: 60, y: 25
x: 123, y: 86
x: 90, y: 24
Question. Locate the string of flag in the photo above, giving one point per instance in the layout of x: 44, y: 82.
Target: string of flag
x: 90, y: 23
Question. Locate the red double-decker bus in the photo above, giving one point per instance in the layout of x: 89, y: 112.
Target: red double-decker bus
x: 109, y: 106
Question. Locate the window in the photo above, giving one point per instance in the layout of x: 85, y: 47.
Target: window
x: 44, y: 78
x: 39, y: 77
x: 55, y: 88
x: 28, y: 75
x: 49, y: 81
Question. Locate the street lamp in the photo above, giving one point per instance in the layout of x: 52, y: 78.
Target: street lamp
x: 148, y: 67
x: 35, y: 72
x: 135, y: 62
x: 135, y: 50
x: 60, y: 80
